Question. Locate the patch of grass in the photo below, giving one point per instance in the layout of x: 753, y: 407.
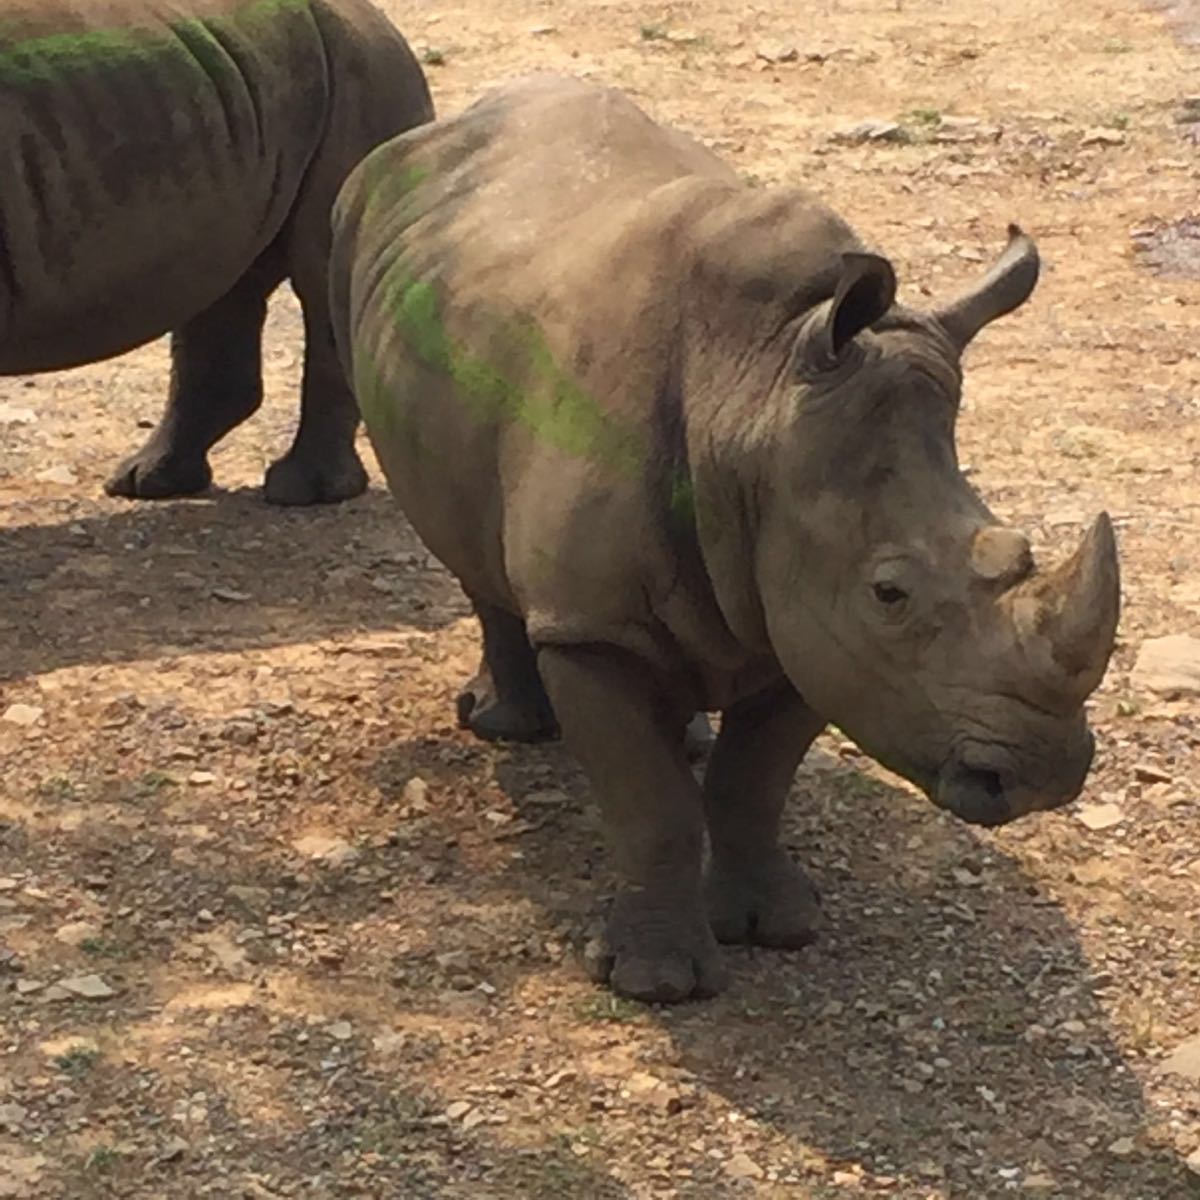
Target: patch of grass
x: 433, y: 57
x: 100, y: 947
x: 1117, y: 46
x: 102, y: 1160
x: 1117, y: 120
x: 151, y: 783
x: 922, y: 116
x: 77, y: 1061
x: 1128, y: 708
x: 58, y: 788
x: 607, y: 1007
x: 653, y: 33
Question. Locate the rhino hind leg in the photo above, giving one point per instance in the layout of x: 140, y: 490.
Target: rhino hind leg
x: 506, y: 701
x: 216, y: 383
x: 628, y: 735
x: 754, y: 891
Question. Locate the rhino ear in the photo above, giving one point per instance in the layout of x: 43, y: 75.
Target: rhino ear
x: 865, y: 291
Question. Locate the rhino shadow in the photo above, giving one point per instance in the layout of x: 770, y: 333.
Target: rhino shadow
x: 947, y: 1029
x: 223, y: 573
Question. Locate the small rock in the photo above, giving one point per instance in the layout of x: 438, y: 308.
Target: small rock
x: 872, y: 131
x: 26, y: 987
x: 12, y: 1115
x: 341, y: 1031
x: 201, y: 778
x: 1149, y: 773
x: 453, y: 960
x: 742, y: 1166
x: 542, y: 30
x: 74, y: 932
x: 1103, y: 137
x: 10, y: 414
x: 778, y: 54
x: 90, y: 987
x: 23, y: 714
x: 173, y: 1151
x: 1184, y: 1060
x: 1192, y: 1162
x: 1122, y: 1147
x: 566, y: 1075
x: 458, y: 1110
x: 1039, y: 1182
x: 253, y: 898
x: 8, y: 884
x: 60, y: 474
x: 473, y: 1118
x: 229, y: 595
x: 332, y: 851
x: 1099, y: 815
x: 1169, y: 665
x: 415, y: 797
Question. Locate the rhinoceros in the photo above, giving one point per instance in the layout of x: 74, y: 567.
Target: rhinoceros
x: 685, y: 452
x: 167, y: 165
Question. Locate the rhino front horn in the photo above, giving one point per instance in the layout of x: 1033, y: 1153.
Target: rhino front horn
x: 1083, y: 607
x: 1005, y: 287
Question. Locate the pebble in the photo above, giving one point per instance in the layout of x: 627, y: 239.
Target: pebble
x: 458, y: 1110
x: 90, y: 987
x: 60, y: 474
x: 26, y: 987
x: 1149, y: 773
x: 201, y: 778
x: 74, y: 932
x: 341, y: 1031
x: 1122, y: 1147
x: 1192, y: 1162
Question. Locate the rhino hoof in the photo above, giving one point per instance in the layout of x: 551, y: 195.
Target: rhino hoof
x: 294, y: 481
x: 151, y: 477
x: 656, y: 961
x: 775, y: 905
x: 495, y: 720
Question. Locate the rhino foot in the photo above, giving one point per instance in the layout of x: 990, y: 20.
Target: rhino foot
x: 772, y: 905
x: 656, y: 955
x: 297, y: 481
x: 494, y: 720
x: 149, y: 475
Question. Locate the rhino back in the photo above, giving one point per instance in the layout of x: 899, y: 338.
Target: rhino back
x: 155, y: 151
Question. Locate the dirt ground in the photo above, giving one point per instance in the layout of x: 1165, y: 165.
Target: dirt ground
x: 271, y: 926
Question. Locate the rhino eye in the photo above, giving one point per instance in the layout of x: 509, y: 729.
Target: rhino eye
x: 889, y: 594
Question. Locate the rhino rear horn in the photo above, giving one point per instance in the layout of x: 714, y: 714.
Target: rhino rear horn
x: 1085, y: 606
x: 864, y: 293
x: 1005, y: 287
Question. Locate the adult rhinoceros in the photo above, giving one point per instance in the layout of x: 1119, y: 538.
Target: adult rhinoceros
x: 685, y: 452
x: 167, y: 163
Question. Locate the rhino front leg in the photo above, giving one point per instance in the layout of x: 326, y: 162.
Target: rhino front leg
x: 322, y: 466
x: 216, y: 383
x: 506, y: 701
x: 755, y: 892
x: 629, y: 737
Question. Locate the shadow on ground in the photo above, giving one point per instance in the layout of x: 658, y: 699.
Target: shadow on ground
x: 223, y: 573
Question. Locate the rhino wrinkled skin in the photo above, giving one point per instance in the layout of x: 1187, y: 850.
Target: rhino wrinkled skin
x: 684, y: 452
x: 167, y: 165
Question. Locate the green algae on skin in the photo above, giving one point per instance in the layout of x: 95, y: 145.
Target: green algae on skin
x: 44, y: 59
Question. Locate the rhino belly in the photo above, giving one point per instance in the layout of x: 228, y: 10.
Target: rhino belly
x: 150, y: 161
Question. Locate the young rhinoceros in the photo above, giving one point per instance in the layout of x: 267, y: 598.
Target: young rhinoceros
x: 684, y: 452
x: 166, y: 167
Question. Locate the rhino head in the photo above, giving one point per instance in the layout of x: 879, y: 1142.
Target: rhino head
x: 896, y: 603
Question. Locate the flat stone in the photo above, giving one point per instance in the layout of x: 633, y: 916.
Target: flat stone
x: 742, y: 1166
x: 13, y: 1114
x: 90, y: 987
x: 1099, y: 815
x: 23, y: 714
x: 1184, y: 1060
x: 1169, y: 665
